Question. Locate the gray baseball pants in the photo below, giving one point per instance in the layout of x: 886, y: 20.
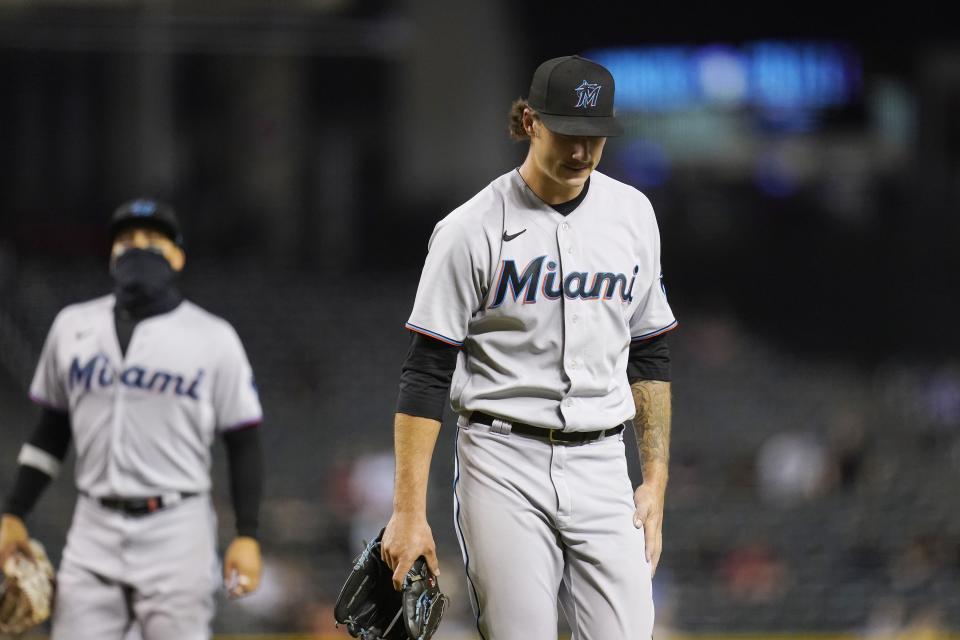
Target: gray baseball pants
x: 539, y: 521
x: 158, y: 572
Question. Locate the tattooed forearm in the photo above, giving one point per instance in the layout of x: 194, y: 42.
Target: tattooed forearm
x: 652, y: 426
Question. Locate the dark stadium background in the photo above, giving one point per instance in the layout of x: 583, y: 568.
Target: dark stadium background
x: 309, y: 147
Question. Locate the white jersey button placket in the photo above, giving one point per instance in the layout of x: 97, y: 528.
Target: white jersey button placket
x: 117, y: 457
x: 563, y: 268
x: 116, y: 432
x: 573, y: 329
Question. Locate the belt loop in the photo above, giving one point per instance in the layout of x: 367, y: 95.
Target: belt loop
x: 501, y: 426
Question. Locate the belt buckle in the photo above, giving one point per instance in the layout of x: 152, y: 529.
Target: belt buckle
x: 551, y: 438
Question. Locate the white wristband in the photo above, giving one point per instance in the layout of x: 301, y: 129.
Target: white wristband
x: 31, y: 456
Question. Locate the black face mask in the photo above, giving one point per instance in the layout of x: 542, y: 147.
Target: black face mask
x: 144, y: 282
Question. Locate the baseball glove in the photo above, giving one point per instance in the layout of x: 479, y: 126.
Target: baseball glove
x: 26, y: 590
x: 373, y: 610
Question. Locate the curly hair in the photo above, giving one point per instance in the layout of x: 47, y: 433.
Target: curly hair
x: 515, y: 126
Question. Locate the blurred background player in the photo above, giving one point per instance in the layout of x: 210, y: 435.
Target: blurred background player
x: 142, y: 381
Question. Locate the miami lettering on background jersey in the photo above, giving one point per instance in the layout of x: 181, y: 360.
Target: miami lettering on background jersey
x: 99, y: 372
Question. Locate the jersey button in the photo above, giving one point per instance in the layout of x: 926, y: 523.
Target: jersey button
x: 574, y: 318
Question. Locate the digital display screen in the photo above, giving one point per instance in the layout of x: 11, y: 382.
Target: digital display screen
x: 765, y: 75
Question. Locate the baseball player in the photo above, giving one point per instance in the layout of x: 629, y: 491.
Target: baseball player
x: 142, y: 381
x: 541, y: 300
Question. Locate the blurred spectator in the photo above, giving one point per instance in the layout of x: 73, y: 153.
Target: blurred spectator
x: 886, y: 619
x: 865, y: 561
x: 371, y: 492
x: 926, y: 624
x: 685, y: 478
x: 941, y: 401
x: 847, y: 436
x: 458, y: 620
x: 317, y: 619
x: 752, y: 572
x: 924, y: 559
x: 889, y: 620
x: 791, y: 468
x: 293, y: 520
x: 338, y: 488
x: 667, y: 603
x: 714, y: 339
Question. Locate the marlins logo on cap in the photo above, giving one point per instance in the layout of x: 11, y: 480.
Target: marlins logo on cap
x: 587, y: 95
x: 143, y: 207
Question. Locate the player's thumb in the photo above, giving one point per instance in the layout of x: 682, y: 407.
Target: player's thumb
x: 643, y: 508
x: 640, y: 515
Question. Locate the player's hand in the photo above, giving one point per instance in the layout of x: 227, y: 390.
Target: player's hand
x: 648, y: 499
x: 406, y: 539
x: 13, y: 538
x: 242, y: 566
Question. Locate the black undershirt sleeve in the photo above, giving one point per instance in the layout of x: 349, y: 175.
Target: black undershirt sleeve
x: 425, y: 377
x: 649, y: 360
x: 245, y: 460
x: 27, y: 489
x: 51, y: 435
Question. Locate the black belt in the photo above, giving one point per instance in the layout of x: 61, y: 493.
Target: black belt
x: 141, y: 506
x: 551, y: 435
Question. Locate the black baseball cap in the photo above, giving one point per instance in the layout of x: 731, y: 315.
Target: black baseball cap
x: 574, y: 96
x: 146, y: 212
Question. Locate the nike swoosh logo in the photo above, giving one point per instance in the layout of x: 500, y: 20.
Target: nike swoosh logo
x: 83, y: 334
x: 508, y: 237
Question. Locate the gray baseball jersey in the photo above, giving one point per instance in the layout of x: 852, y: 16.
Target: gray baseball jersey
x: 544, y: 305
x: 143, y: 423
